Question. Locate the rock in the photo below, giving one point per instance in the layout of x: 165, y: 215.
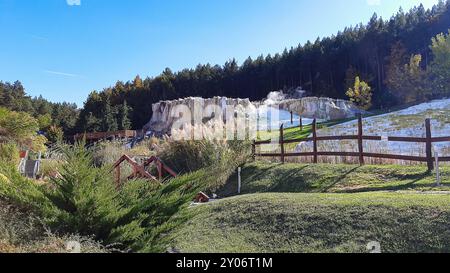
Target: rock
x: 320, y: 108
x: 164, y: 112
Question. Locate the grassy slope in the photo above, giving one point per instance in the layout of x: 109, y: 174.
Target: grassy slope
x: 318, y: 223
x: 268, y: 177
x: 296, y: 133
x: 315, y: 208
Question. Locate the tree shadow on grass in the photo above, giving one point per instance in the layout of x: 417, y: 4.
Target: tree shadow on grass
x: 339, y: 179
x: 249, y: 173
x: 406, y: 186
x: 257, y: 179
x: 289, y: 181
x: 257, y: 172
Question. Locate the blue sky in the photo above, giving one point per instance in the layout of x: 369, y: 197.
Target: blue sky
x: 64, y: 49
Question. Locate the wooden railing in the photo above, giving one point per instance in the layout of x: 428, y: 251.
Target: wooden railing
x: 360, y: 137
x: 139, y: 171
x: 106, y: 135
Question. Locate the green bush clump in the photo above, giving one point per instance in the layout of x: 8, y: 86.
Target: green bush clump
x: 84, y: 200
x: 190, y: 156
x: 20, y: 190
x: 9, y: 152
x: 50, y: 168
x: 23, y: 232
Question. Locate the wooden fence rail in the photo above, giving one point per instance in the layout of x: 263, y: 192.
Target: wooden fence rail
x: 139, y: 171
x: 360, y: 137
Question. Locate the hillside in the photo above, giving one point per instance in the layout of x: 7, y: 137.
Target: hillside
x: 260, y: 177
x: 317, y: 223
x: 325, y: 67
x: 409, y: 122
x: 320, y: 208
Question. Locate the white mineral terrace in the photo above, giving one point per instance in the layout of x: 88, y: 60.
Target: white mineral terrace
x: 274, y: 111
x: 409, y: 122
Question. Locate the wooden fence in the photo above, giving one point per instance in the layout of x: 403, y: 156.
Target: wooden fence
x: 105, y: 135
x: 139, y: 171
x: 360, y: 137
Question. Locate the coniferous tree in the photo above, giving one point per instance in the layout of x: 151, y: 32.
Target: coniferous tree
x: 109, y: 122
x: 123, y: 118
x: 138, y: 82
x: 91, y: 124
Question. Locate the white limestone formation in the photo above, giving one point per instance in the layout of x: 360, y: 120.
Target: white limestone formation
x: 167, y: 113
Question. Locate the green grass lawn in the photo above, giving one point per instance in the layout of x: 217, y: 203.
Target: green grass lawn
x: 296, y: 132
x: 320, y: 208
x: 261, y: 177
x: 301, y: 222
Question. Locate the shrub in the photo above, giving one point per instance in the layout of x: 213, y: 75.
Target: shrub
x: 50, y: 168
x: 83, y: 197
x: 190, y: 156
x: 37, y: 143
x: 21, y: 191
x: 55, y: 134
x: 9, y: 153
x: 108, y: 152
x: 22, y: 232
x: 4, y: 179
x: 17, y: 126
x: 84, y: 200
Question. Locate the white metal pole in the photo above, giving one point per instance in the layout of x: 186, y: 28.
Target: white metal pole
x: 438, y: 175
x: 239, y: 180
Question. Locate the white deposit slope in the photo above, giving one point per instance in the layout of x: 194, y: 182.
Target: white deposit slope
x: 409, y: 122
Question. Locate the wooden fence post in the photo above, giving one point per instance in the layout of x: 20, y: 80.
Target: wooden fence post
x: 314, y: 129
x: 254, y: 150
x: 282, y: 143
x: 160, y: 170
x: 360, y: 140
x: 118, y: 176
x: 239, y: 180
x: 429, y: 145
x: 301, y: 123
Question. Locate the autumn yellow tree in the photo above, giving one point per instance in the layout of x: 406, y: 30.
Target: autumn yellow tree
x: 360, y: 94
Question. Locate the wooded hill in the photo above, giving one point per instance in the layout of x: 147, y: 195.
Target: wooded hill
x: 325, y: 67
x: 379, y: 52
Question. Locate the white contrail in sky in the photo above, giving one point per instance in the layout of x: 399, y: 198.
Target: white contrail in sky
x: 62, y: 73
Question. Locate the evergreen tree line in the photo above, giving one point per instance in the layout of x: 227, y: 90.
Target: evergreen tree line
x: 51, y: 116
x: 55, y: 117
x: 390, y: 62
x: 326, y: 67
x: 112, y: 118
